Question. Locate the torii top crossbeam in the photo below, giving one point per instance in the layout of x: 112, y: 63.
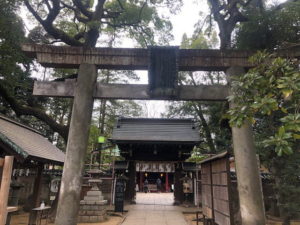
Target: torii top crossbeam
x: 137, y: 58
x: 162, y: 64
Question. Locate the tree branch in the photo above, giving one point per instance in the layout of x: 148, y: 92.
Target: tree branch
x: 226, y: 26
x: 93, y: 32
x: 47, y: 4
x: 48, y: 24
x: 76, y: 13
x: 82, y: 9
x: 21, y: 109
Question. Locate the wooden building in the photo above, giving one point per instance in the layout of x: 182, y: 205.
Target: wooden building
x: 155, y: 148
x: 29, y: 152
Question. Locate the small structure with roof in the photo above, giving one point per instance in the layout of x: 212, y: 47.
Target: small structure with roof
x: 27, y: 150
x: 155, y: 149
x: 27, y: 144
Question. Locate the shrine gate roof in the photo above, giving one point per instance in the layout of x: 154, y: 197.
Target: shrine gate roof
x: 155, y: 130
x: 155, y: 139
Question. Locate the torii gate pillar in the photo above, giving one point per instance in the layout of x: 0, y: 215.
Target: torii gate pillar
x: 247, y: 169
x: 69, y: 197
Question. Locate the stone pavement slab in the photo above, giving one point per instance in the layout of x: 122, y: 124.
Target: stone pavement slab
x: 154, y: 209
x: 155, y: 198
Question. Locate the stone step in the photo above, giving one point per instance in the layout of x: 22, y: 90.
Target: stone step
x: 93, y: 198
x: 102, y: 202
x: 91, y: 212
x: 92, y: 208
x: 91, y: 219
x: 94, y: 193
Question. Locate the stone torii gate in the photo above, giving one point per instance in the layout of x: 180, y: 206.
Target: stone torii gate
x: 162, y: 64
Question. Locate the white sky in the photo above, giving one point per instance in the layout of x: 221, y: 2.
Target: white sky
x: 184, y: 22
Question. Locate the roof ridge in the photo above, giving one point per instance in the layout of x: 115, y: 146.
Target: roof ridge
x: 20, y: 124
x: 13, y: 145
x: 145, y: 118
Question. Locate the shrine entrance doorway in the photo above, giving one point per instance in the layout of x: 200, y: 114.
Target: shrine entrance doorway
x: 155, y: 177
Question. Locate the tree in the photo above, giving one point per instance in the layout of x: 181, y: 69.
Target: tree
x: 81, y: 23
x: 228, y: 14
x: 275, y: 27
x: 16, y: 84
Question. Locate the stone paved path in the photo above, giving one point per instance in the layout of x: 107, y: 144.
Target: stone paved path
x: 155, y: 198
x: 154, y: 209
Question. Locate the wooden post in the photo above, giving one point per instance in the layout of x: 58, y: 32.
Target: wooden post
x: 178, y: 186
x: 248, y: 178
x: 1, y: 168
x: 141, y: 181
x: 36, y: 195
x: 68, y: 203
x: 130, y: 189
x: 167, y: 182
x: 5, y: 184
x: 1, y: 162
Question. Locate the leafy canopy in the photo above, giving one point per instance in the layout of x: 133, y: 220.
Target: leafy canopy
x: 274, y: 27
x: 270, y: 89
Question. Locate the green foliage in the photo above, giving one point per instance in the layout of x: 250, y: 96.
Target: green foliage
x: 196, y: 156
x: 139, y: 21
x: 275, y: 27
x: 11, y: 35
x: 270, y: 89
x: 113, y: 109
x: 285, y: 170
x: 13, y: 64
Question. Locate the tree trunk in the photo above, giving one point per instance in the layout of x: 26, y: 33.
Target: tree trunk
x: 205, y: 128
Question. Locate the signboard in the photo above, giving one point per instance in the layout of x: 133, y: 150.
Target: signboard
x: 54, y: 185
x: 187, y: 185
x: 119, y: 195
x: 156, y: 167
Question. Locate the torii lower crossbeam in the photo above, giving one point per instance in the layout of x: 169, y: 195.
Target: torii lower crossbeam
x: 131, y: 91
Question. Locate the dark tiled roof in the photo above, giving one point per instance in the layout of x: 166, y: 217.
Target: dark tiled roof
x: 28, y: 142
x: 155, y: 130
x: 215, y: 157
